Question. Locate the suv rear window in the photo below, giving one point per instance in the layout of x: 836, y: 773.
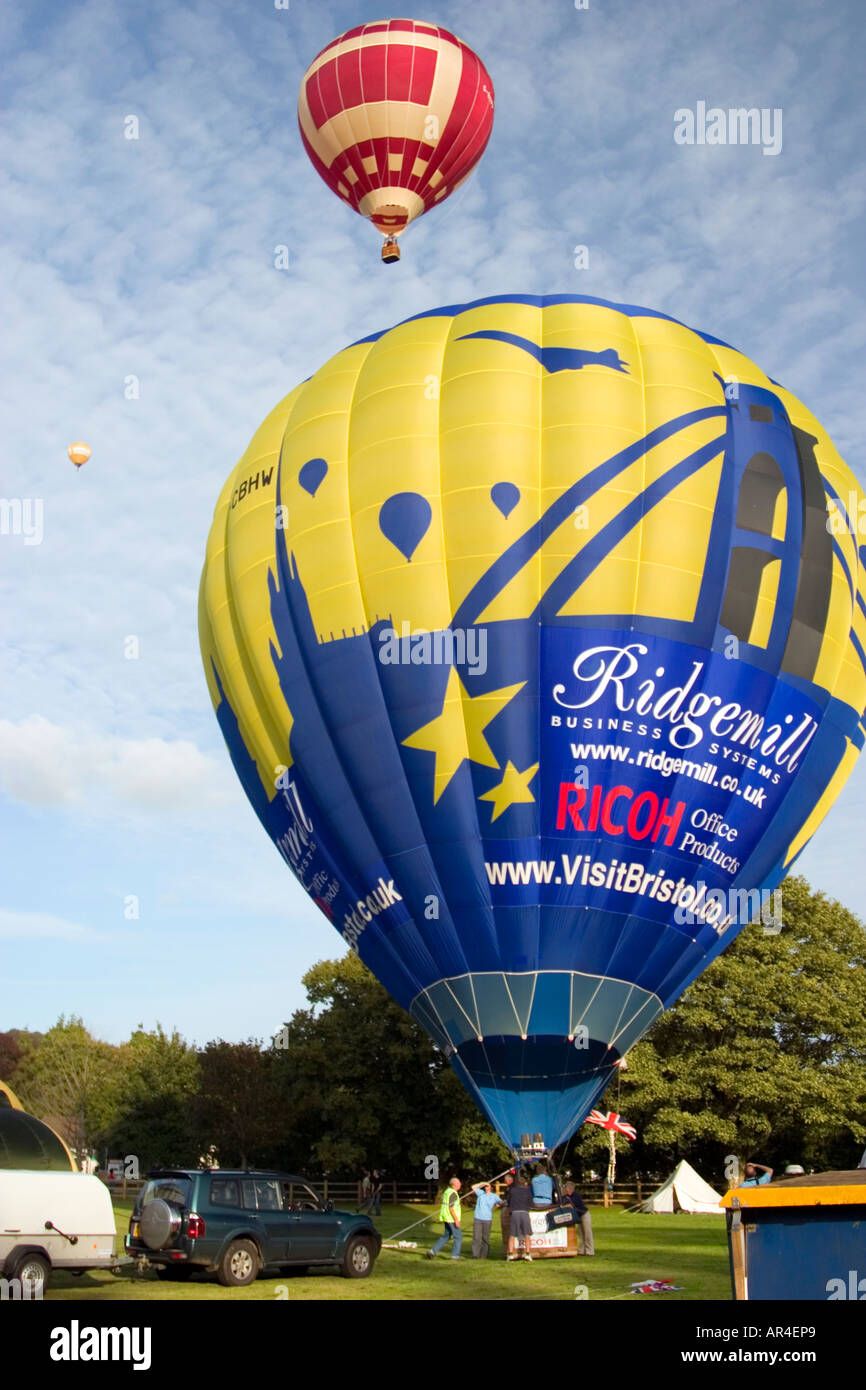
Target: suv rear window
x: 174, y: 1190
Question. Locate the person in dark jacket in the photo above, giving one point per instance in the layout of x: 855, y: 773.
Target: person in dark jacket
x: 572, y: 1198
x: 376, y: 1193
x: 520, y: 1205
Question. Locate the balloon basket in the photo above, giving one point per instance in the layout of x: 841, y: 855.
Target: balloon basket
x: 390, y: 252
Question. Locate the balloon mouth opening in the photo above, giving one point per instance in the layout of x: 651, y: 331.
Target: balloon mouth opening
x: 390, y: 219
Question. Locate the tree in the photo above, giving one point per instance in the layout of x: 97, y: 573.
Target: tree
x: 237, y: 1107
x: 14, y: 1045
x: 154, y: 1087
x: 10, y: 1055
x: 66, y: 1081
x: 765, y: 1054
x: 363, y: 1085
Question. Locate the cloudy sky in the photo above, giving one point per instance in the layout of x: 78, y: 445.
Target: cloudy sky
x: 143, y: 314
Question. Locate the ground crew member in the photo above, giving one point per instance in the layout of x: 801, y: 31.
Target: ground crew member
x: 449, y: 1215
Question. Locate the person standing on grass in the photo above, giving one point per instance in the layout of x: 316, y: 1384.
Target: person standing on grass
x: 572, y: 1198
x: 376, y: 1193
x: 520, y: 1202
x: 505, y: 1214
x: 365, y: 1191
x: 449, y: 1215
x: 485, y: 1202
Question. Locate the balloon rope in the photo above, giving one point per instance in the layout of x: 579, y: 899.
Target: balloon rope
x: 431, y: 1217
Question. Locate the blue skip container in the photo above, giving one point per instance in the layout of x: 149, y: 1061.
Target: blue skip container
x: 801, y: 1239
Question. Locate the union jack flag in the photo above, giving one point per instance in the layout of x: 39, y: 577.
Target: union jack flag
x: 611, y: 1120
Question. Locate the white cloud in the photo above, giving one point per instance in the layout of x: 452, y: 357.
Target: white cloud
x: 42, y: 763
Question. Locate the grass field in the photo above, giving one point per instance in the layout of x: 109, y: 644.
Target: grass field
x: 690, y: 1250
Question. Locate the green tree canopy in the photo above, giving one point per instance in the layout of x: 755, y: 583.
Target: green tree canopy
x: 10, y: 1055
x: 237, y: 1107
x: 153, y: 1095
x: 66, y: 1081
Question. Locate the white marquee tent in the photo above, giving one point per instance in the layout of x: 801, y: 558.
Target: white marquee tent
x: 684, y: 1190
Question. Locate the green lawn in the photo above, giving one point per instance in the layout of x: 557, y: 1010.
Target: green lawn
x: 690, y: 1250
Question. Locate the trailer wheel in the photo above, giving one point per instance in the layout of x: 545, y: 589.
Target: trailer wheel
x: 33, y: 1271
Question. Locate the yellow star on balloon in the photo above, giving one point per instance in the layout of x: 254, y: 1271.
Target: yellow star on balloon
x: 457, y: 734
x: 513, y: 788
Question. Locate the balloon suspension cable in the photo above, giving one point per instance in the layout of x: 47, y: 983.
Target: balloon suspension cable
x: 431, y: 1217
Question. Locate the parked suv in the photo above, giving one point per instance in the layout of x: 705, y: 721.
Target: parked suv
x: 235, y: 1223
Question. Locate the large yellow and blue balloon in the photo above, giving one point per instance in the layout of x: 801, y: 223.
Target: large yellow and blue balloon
x: 535, y: 628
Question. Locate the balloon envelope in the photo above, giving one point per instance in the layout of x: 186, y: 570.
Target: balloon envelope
x: 522, y: 744
x: 394, y: 115
x: 78, y: 453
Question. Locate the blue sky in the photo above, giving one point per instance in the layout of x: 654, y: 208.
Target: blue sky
x: 154, y: 258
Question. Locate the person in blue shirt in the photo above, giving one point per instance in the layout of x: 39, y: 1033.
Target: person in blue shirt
x: 542, y: 1187
x: 486, y: 1201
x: 753, y: 1178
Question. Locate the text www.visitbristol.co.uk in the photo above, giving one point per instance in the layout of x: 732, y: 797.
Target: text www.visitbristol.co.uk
x: 622, y: 877
x: 617, y: 875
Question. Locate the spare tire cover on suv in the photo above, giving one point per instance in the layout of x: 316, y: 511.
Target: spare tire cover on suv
x: 160, y: 1223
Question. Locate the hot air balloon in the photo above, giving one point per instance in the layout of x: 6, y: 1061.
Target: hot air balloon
x: 394, y: 116
x: 79, y: 453
x: 533, y: 679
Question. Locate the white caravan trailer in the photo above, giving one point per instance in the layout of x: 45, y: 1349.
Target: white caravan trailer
x: 53, y: 1221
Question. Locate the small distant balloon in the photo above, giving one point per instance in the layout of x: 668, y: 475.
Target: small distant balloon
x: 79, y: 453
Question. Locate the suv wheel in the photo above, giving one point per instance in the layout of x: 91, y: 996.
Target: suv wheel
x: 239, y: 1265
x: 358, y: 1259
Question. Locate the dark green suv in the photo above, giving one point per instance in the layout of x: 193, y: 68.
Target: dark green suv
x: 236, y: 1223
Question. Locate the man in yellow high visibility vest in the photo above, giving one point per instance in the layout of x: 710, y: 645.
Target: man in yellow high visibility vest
x: 449, y: 1215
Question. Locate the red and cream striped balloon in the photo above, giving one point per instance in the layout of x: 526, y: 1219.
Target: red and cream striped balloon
x: 395, y: 115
